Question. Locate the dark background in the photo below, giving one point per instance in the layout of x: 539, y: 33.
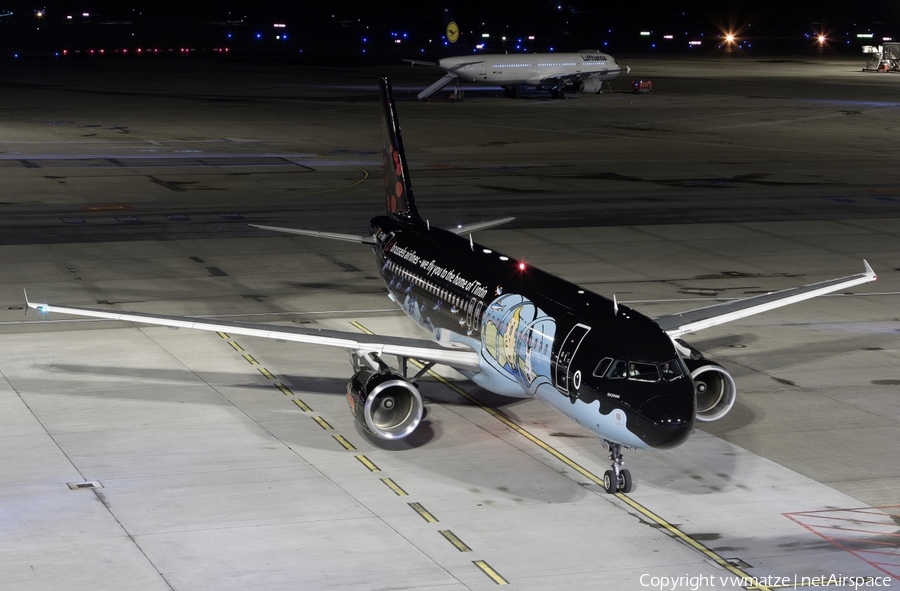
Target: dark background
x: 378, y: 33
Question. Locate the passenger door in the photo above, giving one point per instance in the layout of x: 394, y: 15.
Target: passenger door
x: 567, y: 350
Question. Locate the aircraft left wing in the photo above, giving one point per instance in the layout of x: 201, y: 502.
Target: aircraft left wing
x: 361, y: 344
x: 683, y: 323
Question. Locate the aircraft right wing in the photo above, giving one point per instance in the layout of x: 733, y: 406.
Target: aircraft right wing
x: 316, y: 234
x: 361, y: 344
x: 682, y: 323
x: 476, y: 226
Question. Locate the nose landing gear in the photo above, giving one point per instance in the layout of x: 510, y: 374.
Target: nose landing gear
x: 618, y: 479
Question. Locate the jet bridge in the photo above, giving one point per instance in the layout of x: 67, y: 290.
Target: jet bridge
x: 884, y: 58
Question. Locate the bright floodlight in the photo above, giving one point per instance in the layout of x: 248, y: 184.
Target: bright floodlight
x: 821, y: 38
x: 729, y: 38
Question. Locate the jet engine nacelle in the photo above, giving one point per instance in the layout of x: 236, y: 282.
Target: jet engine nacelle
x: 716, y: 390
x: 385, y: 404
x: 591, y: 85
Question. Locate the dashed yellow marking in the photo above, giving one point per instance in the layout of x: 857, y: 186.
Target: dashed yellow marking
x: 453, y: 539
x: 235, y: 346
x: 265, y: 372
x: 394, y: 487
x: 250, y: 359
x: 423, y: 512
x: 323, y: 423
x: 223, y: 335
x: 284, y: 389
x: 489, y: 571
x: 346, y: 444
x: 674, y: 531
x: 302, y: 405
x: 368, y: 464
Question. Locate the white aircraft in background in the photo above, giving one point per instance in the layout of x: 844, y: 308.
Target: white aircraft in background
x: 581, y: 71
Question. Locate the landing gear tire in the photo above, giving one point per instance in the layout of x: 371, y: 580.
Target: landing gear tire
x: 609, y: 482
x: 618, y: 479
x: 509, y: 91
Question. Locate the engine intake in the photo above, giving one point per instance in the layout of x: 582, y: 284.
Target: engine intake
x: 716, y: 390
x: 385, y: 404
x: 590, y: 85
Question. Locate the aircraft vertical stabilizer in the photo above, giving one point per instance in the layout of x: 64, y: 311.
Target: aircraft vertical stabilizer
x: 452, y: 33
x: 399, y: 200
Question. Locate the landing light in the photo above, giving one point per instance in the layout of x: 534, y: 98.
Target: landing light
x: 729, y: 38
x: 821, y: 38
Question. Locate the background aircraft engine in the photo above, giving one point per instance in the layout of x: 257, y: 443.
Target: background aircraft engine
x: 716, y: 390
x: 385, y: 404
x: 590, y: 85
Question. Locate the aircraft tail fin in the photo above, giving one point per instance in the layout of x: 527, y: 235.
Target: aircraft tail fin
x: 399, y: 200
x: 456, y: 45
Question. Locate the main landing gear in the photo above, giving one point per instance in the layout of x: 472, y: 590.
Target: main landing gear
x: 618, y: 479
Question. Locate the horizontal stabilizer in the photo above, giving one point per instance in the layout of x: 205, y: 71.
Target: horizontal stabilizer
x: 421, y: 63
x: 314, y: 234
x: 448, y: 78
x: 469, y: 228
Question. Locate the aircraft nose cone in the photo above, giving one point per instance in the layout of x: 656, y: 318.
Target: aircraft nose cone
x: 669, y: 420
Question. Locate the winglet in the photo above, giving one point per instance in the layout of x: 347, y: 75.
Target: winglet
x: 869, y: 271
x: 30, y: 304
x: 615, y: 305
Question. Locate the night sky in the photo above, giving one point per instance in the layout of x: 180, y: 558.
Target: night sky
x: 370, y: 31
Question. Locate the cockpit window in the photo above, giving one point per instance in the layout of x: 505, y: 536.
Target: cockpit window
x: 602, y: 366
x: 618, y: 371
x: 671, y: 370
x: 643, y: 372
x: 639, y: 370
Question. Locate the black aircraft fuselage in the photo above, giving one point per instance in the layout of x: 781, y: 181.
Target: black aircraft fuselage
x: 611, y: 369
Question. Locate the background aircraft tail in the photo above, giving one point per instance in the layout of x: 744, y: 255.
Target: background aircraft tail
x: 399, y: 200
x: 456, y: 44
